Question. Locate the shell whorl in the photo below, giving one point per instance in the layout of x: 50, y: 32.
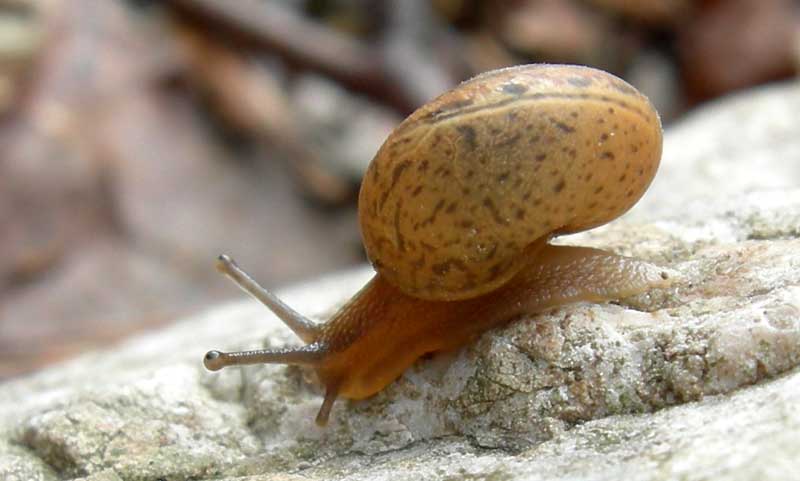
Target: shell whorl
x: 470, y: 181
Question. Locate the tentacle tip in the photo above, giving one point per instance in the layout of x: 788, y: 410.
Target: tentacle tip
x: 325, y: 410
x: 213, y: 361
x: 223, y: 261
x: 322, y: 419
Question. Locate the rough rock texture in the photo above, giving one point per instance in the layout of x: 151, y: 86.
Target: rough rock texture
x: 698, y: 381
x: 738, y: 144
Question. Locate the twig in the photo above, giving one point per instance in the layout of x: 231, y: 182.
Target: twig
x: 273, y: 27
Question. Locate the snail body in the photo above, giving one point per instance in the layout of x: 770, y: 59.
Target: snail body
x: 457, y: 209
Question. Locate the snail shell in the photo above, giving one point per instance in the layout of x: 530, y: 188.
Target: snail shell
x: 474, y: 178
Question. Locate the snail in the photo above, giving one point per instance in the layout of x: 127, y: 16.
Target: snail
x: 457, y: 210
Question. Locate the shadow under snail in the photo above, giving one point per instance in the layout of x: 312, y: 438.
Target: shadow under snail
x: 457, y: 210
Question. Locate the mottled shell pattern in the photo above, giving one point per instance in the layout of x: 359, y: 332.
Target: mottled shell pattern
x: 467, y: 183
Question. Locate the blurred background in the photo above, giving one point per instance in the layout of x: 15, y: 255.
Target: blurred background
x: 139, y: 139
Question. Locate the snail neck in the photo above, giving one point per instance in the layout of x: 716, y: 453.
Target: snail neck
x: 382, y: 331
x: 379, y: 333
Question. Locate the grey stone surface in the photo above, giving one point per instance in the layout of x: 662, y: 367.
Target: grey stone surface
x: 746, y: 142
x: 696, y: 381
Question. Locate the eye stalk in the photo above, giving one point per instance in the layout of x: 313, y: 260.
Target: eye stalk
x: 309, y: 355
x: 305, y: 328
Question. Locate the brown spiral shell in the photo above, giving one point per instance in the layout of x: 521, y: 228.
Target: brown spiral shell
x: 470, y: 181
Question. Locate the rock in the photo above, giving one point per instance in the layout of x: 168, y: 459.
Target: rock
x: 162, y: 427
x: 21, y: 39
x: 735, y: 44
x: 345, y: 130
x: 655, y: 75
x: 658, y: 386
x: 654, y: 12
x: 550, y: 30
x: 744, y: 142
x: 17, y: 463
x: 693, y: 441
